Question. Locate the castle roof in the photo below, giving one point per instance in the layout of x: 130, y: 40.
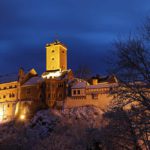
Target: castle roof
x: 79, y: 85
x: 102, y: 79
x: 33, y: 81
x: 56, y: 42
x: 56, y: 74
x: 8, y: 78
x: 102, y: 85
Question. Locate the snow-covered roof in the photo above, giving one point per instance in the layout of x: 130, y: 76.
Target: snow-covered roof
x: 101, y: 86
x: 79, y: 85
x: 56, y: 74
x: 33, y: 81
x: 84, y: 84
x: 8, y: 78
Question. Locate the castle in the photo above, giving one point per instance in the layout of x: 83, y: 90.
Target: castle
x: 57, y: 87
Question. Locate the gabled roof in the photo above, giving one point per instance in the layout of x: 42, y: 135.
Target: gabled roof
x: 8, y: 78
x: 79, y: 85
x: 109, y: 78
x: 101, y: 85
x: 33, y: 81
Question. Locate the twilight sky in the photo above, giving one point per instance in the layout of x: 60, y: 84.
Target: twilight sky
x: 87, y: 27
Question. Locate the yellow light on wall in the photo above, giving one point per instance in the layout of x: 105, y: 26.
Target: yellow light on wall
x: 1, y: 114
x: 22, y: 117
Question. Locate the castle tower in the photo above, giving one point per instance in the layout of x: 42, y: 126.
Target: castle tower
x: 56, y: 56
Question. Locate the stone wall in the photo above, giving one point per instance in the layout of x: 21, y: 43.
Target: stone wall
x: 102, y: 102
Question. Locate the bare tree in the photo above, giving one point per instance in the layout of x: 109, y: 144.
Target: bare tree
x: 118, y: 133
x: 83, y: 72
x: 132, y: 93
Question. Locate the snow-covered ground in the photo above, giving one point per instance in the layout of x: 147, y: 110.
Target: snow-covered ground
x: 50, y: 123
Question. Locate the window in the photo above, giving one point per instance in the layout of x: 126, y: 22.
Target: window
x: 49, y: 96
x: 94, y: 96
x: 53, y: 51
x: 4, y: 96
x: 74, y: 92
x: 63, y: 52
x: 60, y: 95
x: 8, y: 105
x: 9, y: 95
x: 28, y: 91
x: 60, y: 84
x: 40, y: 96
x: 13, y: 95
x: 52, y: 58
x: 78, y: 91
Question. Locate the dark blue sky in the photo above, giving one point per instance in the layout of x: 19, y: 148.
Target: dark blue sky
x: 87, y: 27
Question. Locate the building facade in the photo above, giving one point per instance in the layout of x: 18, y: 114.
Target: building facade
x: 57, y: 87
x: 96, y: 93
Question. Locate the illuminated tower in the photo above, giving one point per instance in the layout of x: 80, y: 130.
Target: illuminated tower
x: 56, y: 56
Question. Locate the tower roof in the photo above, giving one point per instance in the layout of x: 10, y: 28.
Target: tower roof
x: 56, y: 42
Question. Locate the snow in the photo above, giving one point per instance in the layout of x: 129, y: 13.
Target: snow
x: 52, y: 74
x: 56, y: 74
x: 42, y: 123
x: 101, y: 86
x: 34, y: 80
x: 88, y: 114
x: 79, y: 85
x: 51, y: 123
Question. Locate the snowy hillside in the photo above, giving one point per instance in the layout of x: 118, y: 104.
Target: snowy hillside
x: 47, y: 124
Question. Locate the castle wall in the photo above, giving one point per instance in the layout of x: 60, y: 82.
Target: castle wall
x: 9, y: 91
x: 55, y: 90
x: 102, y: 101
x: 7, y: 111
x: 30, y: 93
x: 9, y: 94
